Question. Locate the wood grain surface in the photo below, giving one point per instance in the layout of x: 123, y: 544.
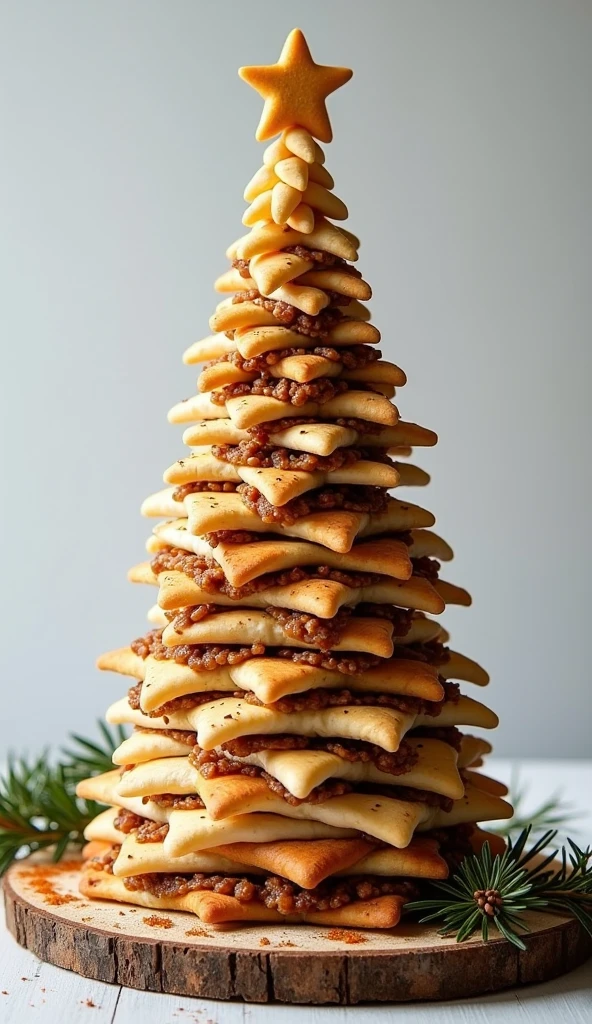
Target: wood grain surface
x: 171, y: 952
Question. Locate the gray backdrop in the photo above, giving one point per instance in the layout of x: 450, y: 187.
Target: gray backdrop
x: 463, y: 149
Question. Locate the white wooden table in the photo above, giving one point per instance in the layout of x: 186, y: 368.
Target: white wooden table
x: 32, y: 991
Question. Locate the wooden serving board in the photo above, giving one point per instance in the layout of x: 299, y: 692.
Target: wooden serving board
x: 162, y: 951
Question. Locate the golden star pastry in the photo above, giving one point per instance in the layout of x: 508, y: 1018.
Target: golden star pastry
x: 295, y: 90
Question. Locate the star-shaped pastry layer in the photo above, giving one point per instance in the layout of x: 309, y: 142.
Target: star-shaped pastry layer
x: 295, y: 90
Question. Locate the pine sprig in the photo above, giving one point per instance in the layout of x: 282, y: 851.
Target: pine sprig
x: 497, y: 891
x: 38, y: 803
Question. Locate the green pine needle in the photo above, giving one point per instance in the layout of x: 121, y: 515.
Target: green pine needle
x: 38, y: 803
x: 516, y: 884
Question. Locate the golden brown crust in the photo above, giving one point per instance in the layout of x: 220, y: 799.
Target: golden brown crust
x: 307, y: 862
x: 214, y: 908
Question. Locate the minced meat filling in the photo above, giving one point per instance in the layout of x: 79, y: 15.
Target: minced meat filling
x: 454, y: 843
x: 209, y: 575
x: 183, y: 703
x: 284, y: 311
x: 346, y: 497
x: 184, y: 736
x: 337, y: 787
x: 262, y: 431
x: 212, y: 656
x: 145, y: 830
x: 318, y: 699
x: 212, y: 763
x: 349, y: 664
x: 274, y: 892
x: 196, y: 486
x: 176, y: 801
x: 301, y: 626
x: 197, y: 656
x: 433, y: 652
x: 127, y: 821
x: 400, y: 618
x: 185, y: 617
x: 253, y: 453
x: 322, y: 633
x: 308, y: 700
x: 231, y: 537
x: 290, y: 316
x: 319, y: 795
x: 446, y: 733
x: 321, y: 257
x: 106, y: 860
x: 426, y: 567
x: 352, y: 357
x: 321, y: 390
x: 327, y: 633
x: 243, y: 267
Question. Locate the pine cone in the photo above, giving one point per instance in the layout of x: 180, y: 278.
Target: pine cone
x: 489, y: 901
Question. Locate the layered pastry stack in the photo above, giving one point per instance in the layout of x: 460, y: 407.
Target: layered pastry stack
x: 295, y: 752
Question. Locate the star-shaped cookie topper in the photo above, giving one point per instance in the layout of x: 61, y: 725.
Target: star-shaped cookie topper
x: 295, y: 90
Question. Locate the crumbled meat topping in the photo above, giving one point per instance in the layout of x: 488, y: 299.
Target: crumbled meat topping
x: 183, y: 703
x: 309, y: 700
x: 219, y: 487
x: 176, y: 801
x: 262, y: 431
x: 320, y: 698
x: 320, y: 390
x: 231, y: 537
x: 145, y: 830
x: 245, y: 745
x: 352, y: 357
x: 349, y: 664
x: 242, y: 266
x: 253, y: 453
x: 454, y: 843
x: 345, y: 497
x: 212, y: 656
x: 197, y: 656
x: 433, y: 652
x: 426, y: 567
x: 274, y: 892
x: 184, y: 736
x: 447, y: 733
x: 318, y: 795
x: 322, y: 258
x: 301, y: 626
x: 210, y: 577
x: 185, y: 617
x: 105, y: 861
x: 127, y: 821
x: 212, y: 763
x: 399, y: 617
x: 322, y: 633
x: 290, y: 316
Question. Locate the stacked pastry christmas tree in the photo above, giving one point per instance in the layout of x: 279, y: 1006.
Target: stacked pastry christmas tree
x: 296, y: 752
